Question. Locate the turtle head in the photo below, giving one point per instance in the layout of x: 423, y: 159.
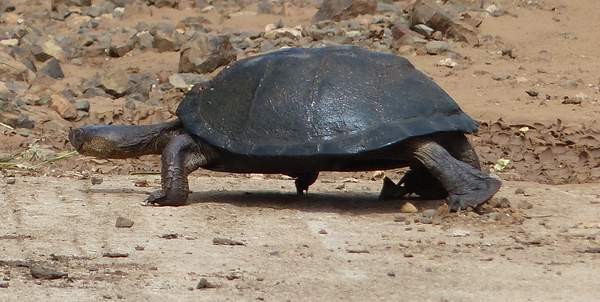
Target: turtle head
x: 122, y: 141
x: 98, y: 141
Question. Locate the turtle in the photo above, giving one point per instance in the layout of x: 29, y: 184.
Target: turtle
x: 300, y: 111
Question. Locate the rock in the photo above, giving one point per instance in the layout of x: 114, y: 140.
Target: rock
x: 447, y: 62
x: 55, y: 4
x: 495, y: 11
x: 524, y: 204
x: 499, y: 202
x: 437, y: 35
x: 520, y: 191
x: 436, y: 47
x: 204, y: 284
x: 322, y: 232
x: 378, y: 175
x: 186, y: 80
x: 82, y: 105
x: 164, y: 3
x: 226, y: 241
x: 206, y: 53
x: 338, y: 10
x: 429, y: 213
x: 424, y: 30
x: 4, y: 284
x: 115, y: 83
x: 120, y: 45
x: 10, y: 180
x: 42, y: 272
x: 9, y: 42
x: 408, y: 207
x: 123, y: 222
x: 52, y: 69
x: 50, y: 48
x: 195, y: 23
x: 399, y: 218
x: 284, y: 32
x: 444, y: 19
x: 115, y: 255
x: 63, y: 107
x: 532, y: 93
x: 265, y: 7
x: 95, y: 180
x: 144, y: 40
x: 11, y: 69
x: 460, y: 233
x: 166, y: 38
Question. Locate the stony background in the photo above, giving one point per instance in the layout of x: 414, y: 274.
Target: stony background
x: 523, y: 68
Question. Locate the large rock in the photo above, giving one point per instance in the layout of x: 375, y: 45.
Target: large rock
x: 63, y: 107
x: 55, y: 4
x: 115, y: 83
x: 52, y: 69
x: 205, y: 53
x: 344, y: 9
x: 11, y: 69
x: 444, y: 19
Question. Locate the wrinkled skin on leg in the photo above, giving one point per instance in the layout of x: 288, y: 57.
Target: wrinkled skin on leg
x: 444, y: 167
x: 181, y: 156
x: 466, y: 185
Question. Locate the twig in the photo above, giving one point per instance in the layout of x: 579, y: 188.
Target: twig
x: 27, y: 167
x: 7, y: 126
x: 66, y: 155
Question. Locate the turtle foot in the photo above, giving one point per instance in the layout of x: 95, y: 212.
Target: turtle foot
x: 160, y: 198
x: 474, y: 193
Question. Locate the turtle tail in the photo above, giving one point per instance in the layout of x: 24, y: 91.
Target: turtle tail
x: 123, y: 141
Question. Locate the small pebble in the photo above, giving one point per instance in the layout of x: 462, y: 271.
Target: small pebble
x: 524, y: 204
x: 323, y: 232
x: 11, y: 180
x: 226, y: 241
x: 4, y: 284
x: 203, y: 284
x: 42, y: 272
x: 115, y: 255
x: 520, y: 191
x: 429, y: 213
x: 399, y: 218
x: 96, y: 180
x: 408, y: 207
x: 391, y: 274
x: 123, y: 222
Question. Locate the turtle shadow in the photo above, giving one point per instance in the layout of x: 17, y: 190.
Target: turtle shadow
x: 343, y: 202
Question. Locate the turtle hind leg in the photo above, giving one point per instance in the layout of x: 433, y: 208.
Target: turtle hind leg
x: 181, y: 156
x: 304, y: 180
x: 466, y: 185
x: 419, y: 180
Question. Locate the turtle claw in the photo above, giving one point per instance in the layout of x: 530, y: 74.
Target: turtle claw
x: 160, y: 198
x: 155, y: 198
x: 475, y: 195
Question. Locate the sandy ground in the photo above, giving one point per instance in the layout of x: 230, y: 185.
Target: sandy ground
x: 337, y: 244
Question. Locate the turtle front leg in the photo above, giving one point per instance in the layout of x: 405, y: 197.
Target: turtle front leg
x: 181, y: 156
x: 466, y: 185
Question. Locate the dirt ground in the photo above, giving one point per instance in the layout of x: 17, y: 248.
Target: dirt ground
x: 252, y: 239
x: 334, y: 245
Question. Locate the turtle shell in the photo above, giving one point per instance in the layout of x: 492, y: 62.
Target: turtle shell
x: 339, y: 100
